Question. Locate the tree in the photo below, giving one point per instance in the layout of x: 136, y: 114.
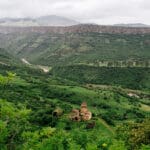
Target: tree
x: 135, y: 134
x: 13, y: 122
x: 6, y: 80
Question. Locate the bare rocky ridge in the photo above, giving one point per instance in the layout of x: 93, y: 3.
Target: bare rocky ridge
x: 82, y: 28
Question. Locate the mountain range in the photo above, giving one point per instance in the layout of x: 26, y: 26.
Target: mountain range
x: 139, y: 25
x: 50, y: 20
x: 53, y: 20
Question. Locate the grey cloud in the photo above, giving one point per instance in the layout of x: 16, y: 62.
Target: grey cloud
x: 96, y: 11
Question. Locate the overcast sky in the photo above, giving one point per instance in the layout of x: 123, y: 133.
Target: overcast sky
x: 94, y: 11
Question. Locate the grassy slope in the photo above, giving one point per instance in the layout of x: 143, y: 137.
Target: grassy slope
x: 45, y: 96
x: 42, y: 94
x: 102, y: 102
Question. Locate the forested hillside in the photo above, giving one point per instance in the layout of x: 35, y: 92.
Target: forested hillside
x: 134, y: 78
x: 7, y: 59
x: 96, y: 49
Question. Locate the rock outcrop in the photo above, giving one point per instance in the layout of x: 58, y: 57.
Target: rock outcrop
x: 81, y: 115
x: 75, y: 115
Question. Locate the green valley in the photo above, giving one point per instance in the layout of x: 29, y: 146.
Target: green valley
x: 45, y: 77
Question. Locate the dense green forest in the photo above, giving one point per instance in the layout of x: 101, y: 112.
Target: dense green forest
x: 134, y: 78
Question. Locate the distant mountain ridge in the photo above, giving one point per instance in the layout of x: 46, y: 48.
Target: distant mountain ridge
x: 81, y: 28
x: 55, y: 21
x: 51, y: 20
x: 137, y: 25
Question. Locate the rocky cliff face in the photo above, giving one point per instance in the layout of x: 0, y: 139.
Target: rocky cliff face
x: 77, y: 29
